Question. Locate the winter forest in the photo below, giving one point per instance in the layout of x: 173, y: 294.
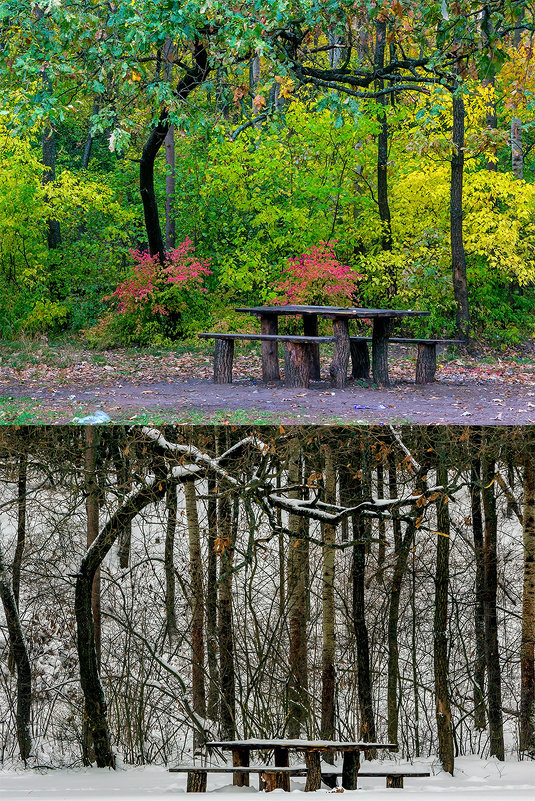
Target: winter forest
x: 165, y: 586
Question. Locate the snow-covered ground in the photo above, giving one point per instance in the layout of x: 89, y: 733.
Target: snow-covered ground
x: 474, y: 780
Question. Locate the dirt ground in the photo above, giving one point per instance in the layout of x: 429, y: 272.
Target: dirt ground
x: 171, y: 387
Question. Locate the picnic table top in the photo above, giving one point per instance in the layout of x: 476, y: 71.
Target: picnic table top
x: 331, y: 311
x: 300, y: 745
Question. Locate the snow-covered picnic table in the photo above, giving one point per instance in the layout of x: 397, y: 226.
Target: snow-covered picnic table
x: 312, y: 750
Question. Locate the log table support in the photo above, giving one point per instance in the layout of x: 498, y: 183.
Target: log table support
x: 313, y: 763
x: 426, y: 364
x: 350, y: 770
x: 196, y: 781
x: 281, y: 758
x: 223, y: 358
x: 270, y: 353
x: 297, y: 364
x: 380, y: 336
x: 360, y: 360
x: 310, y: 329
x: 341, y: 353
x: 395, y: 781
x: 240, y: 759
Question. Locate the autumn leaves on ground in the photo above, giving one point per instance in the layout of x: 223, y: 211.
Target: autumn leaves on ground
x: 61, y: 382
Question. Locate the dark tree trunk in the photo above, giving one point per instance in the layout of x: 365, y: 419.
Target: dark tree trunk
x: 21, y: 540
x: 382, y: 149
x: 170, y: 186
x: 53, y: 235
x: 21, y: 659
x: 195, y: 77
x: 297, y: 607
x: 479, y: 611
x: 92, y: 511
x: 212, y: 704
x: 169, y: 562
x: 328, y: 677
x: 458, y: 256
x: 197, y: 599
x: 527, y: 648
x: 440, y: 638
x: 226, y: 625
x: 494, y: 686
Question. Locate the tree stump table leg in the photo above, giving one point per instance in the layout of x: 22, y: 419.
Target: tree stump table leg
x: 197, y: 780
x: 240, y: 758
x: 313, y: 763
x: 310, y: 329
x: 380, y: 336
x: 269, y: 324
x: 394, y: 781
x: 282, y: 760
x: 426, y: 364
x: 223, y: 358
x: 360, y: 360
x: 340, y: 360
x: 297, y: 364
x: 350, y: 770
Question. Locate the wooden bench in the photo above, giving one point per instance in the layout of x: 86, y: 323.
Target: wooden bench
x: 298, y: 351
x: 394, y: 778
x: 297, y: 355
x: 426, y: 362
x: 270, y: 776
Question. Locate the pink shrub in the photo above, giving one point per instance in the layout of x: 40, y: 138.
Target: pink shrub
x: 317, y: 277
x: 148, y: 288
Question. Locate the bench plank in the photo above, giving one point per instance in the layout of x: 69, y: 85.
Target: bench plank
x: 266, y: 337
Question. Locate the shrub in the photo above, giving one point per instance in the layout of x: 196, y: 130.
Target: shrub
x: 317, y: 277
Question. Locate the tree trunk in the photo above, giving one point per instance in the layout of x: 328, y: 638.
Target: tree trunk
x: 212, y: 704
x: 95, y: 708
x: 479, y: 610
x: 440, y: 638
x: 92, y: 512
x: 170, y: 186
x: 494, y: 687
x: 21, y: 539
x: 169, y: 562
x: 328, y: 677
x: 458, y: 256
x: 53, y: 235
x: 382, y: 149
x: 226, y: 630
x: 517, y: 153
x: 186, y: 85
x: 21, y: 658
x: 297, y: 590
x: 527, y: 648
x: 197, y: 599
x: 400, y: 567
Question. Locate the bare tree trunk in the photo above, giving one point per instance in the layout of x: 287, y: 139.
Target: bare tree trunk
x: 297, y: 608
x: 479, y: 610
x: 19, y: 649
x: 53, y: 235
x: 440, y: 638
x: 527, y: 648
x: 197, y: 599
x: 92, y: 512
x: 226, y: 625
x: 95, y: 707
x: 328, y: 677
x: 212, y: 704
x: 21, y: 539
x: 169, y: 562
x: 494, y: 687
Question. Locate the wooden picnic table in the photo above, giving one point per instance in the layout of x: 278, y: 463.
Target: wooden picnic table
x: 340, y: 317
x: 312, y: 750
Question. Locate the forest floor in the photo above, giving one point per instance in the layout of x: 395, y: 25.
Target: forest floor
x: 475, y: 779
x: 64, y: 382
